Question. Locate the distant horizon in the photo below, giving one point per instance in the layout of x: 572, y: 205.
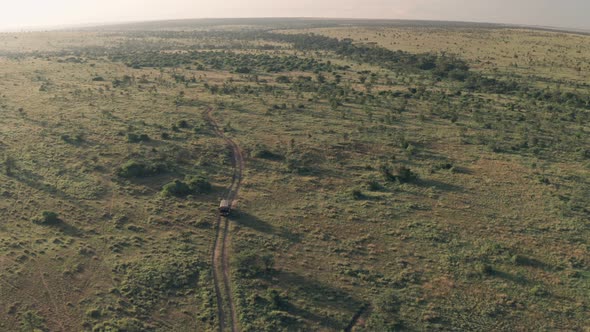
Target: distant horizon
x: 45, y: 14
x: 98, y: 24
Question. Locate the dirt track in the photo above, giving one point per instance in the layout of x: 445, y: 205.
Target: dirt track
x: 221, y: 252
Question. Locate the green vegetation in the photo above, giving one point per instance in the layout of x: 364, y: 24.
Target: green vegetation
x: 137, y: 169
x: 192, y: 186
x: 48, y: 218
x: 398, y: 176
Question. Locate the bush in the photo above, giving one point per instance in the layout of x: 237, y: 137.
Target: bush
x: 403, y: 174
x: 135, y: 138
x: 539, y: 291
x: 264, y: 153
x: 123, y: 324
x: 147, y: 282
x: 441, y: 166
x: 357, y: 194
x: 48, y: 218
x: 198, y: 184
x: 250, y: 263
x: 283, y: 79
x: 94, y: 313
x: 374, y: 185
x: 191, y: 185
x: 32, y: 321
x: 176, y: 188
x: 78, y: 138
x: 137, y: 169
x: 183, y: 124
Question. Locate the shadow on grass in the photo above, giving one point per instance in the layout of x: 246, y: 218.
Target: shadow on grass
x: 254, y: 223
x: 68, y: 229
x: 318, y: 295
x: 510, y: 277
x: 327, y: 322
x: 35, y: 181
x: 532, y: 262
x: 428, y: 183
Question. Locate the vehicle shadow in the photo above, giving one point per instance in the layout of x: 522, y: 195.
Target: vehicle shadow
x: 252, y: 222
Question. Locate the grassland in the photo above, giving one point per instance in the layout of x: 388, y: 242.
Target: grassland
x: 388, y: 183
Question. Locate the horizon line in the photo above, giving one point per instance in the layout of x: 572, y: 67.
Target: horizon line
x: 74, y: 26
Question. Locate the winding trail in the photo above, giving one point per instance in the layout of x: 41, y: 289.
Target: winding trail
x: 226, y: 310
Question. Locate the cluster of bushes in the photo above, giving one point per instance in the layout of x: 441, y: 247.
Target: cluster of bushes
x: 146, y: 283
x: 137, y: 138
x: 48, y: 218
x: 121, y: 324
x: 242, y: 63
x: 253, y: 263
x: 32, y: 321
x: 138, y: 169
x: 77, y: 139
x: 402, y: 174
x: 123, y: 82
x: 192, y: 185
x: 385, y: 315
x: 441, y: 65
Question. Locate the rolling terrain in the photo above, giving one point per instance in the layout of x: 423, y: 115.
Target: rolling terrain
x: 391, y: 176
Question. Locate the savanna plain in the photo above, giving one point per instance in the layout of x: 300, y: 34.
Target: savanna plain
x: 392, y: 176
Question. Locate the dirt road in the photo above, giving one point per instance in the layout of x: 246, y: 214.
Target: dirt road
x: 221, y: 252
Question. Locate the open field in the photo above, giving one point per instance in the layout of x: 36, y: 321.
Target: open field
x: 386, y: 185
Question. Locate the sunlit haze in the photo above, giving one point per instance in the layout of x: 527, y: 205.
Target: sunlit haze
x: 25, y: 14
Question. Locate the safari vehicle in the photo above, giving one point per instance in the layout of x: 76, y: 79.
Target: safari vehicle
x: 224, y: 208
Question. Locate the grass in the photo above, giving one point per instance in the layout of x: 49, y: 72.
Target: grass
x: 486, y: 233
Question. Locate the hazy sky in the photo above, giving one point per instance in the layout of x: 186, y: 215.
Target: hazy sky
x: 16, y: 14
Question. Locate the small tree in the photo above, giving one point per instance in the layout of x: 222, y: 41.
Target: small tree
x: 405, y: 174
x: 48, y: 218
x: 176, y: 188
x: 198, y: 184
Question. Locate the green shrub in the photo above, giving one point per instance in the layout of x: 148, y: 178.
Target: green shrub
x: 264, y: 153
x: 251, y: 263
x: 192, y: 185
x: 137, y: 169
x: 357, y: 194
x: 539, y: 291
x: 147, y: 282
x: 441, y: 166
x: 94, y: 313
x: 403, y: 174
x: 283, y: 79
x: 183, y: 124
x: 48, y: 218
x: 77, y: 139
x: 198, y: 184
x: 120, y: 325
x: 32, y: 321
x: 176, y: 188
x: 374, y: 186
x: 135, y: 138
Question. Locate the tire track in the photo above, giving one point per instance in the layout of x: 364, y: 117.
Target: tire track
x: 221, y: 253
